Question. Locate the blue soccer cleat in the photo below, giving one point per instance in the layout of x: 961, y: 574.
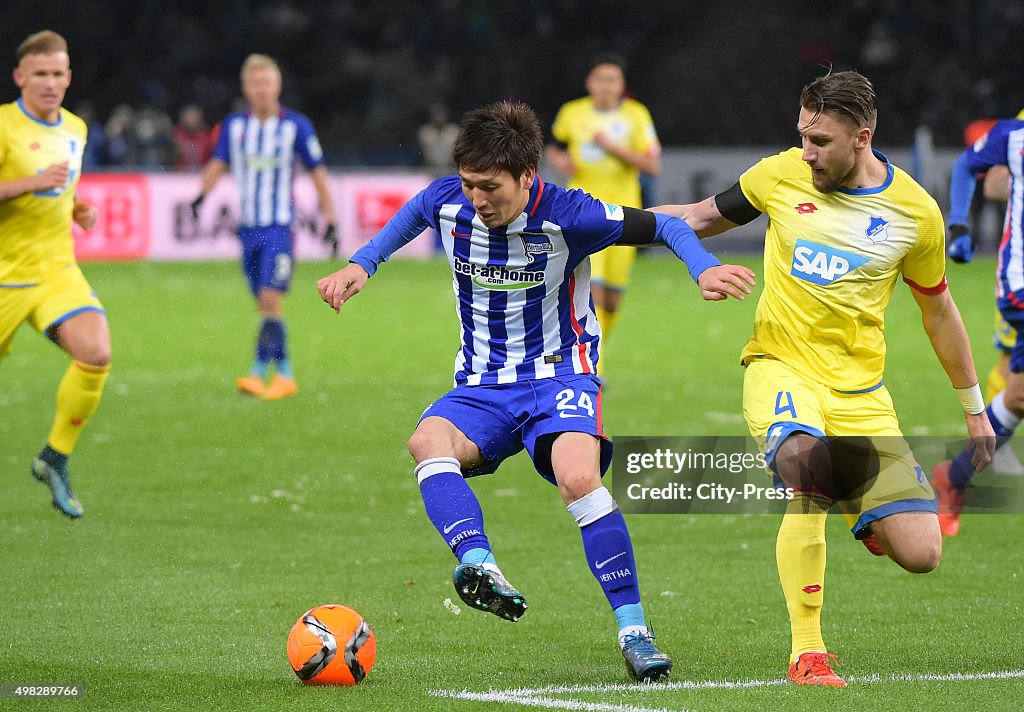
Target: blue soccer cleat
x: 644, y: 661
x: 60, y: 484
x: 487, y: 590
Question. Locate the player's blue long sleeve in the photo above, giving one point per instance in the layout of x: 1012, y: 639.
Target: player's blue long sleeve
x: 961, y: 190
x: 399, y: 231
x: 684, y: 243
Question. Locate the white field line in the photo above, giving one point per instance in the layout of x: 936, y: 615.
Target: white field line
x: 531, y: 698
x: 541, y: 696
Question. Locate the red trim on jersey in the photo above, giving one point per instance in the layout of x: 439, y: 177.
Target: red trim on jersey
x: 540, y: 192
x: 931, y: 291
x: 1014, y: 301
x: 584, y: 363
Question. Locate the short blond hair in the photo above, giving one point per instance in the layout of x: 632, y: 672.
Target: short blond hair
x: 259, y: 61
x: 45, y: 42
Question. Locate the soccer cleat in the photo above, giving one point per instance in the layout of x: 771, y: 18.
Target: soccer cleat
x: 873, y: 545
x: 250, y: 385
x: 951, y: 500
x: 644, y: 661
x: 60, y: 484
x: 487, y: 590
x: 813, y: 668
x: 280, y: 387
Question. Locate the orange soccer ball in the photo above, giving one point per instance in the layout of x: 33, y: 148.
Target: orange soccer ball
x: 331, y: 645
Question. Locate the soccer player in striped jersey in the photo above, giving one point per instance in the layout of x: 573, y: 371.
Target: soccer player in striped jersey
x: 525, y: 372
x: 844, y: 225
x: 1003, y: 145
x: 41, y: 148
x: 261, y: 147
x: 603, y: 142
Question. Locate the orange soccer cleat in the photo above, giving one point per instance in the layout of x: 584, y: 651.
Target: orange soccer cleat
x: 951, y: 500
x: 280, y: 387
x: 813, y: 668
x: 251, y: 385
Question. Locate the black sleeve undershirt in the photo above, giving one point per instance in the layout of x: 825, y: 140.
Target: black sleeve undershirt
x: 734, y: 206
x: 638, y: 227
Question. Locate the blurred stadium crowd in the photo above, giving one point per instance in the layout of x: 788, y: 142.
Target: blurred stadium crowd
x: 152, y: 77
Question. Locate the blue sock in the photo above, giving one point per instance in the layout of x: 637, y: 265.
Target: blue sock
x: 1003, y: 423
x: 284, y: 364
x: 607, y: 547
x: 477, y: 556
x: 630, y: 615
x: 452, y: 507
x: 266, y: 346
x: 284, y: 367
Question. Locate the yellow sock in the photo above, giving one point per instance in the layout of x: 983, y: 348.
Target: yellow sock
x: 800, y: 554
x: 994, y: 385
x: 77, y: 397
x: 607, y: 320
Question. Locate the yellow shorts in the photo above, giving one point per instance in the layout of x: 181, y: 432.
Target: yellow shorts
x: 611, y: 266
x: 779, y: 401
x: 44, y: 305
x: 1004, y: 337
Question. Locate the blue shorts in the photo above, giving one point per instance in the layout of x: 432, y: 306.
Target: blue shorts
x: 503, y: 419
x: 267, y: 257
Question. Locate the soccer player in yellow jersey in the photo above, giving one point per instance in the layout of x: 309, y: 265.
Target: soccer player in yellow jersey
x: 605, y: 140
x: 40, y: 163
x: 844, y: 225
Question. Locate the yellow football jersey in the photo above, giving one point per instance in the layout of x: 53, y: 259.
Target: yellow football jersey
x: 597, y: 172
x: 35, y: 228
x: 830, y: 265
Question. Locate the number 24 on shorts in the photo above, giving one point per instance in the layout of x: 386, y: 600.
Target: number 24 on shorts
x: 568, y: 409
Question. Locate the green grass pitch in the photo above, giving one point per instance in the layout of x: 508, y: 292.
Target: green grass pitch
x: 213, y: 521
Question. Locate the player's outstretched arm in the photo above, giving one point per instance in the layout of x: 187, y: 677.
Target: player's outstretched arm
x: 945, y: 329
x: 704, y: 217
x: 339, y: 287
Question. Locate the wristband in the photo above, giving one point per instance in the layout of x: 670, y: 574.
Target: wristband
x: 971, y: 399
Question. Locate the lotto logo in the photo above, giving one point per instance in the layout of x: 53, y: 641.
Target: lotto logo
x: 823, y: 265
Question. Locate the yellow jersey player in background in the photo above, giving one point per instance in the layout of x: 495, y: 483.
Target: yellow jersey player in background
x: 605, y: 140
x: 844, y: 225
x: 41, y: 147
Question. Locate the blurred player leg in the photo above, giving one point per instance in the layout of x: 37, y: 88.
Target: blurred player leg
x: 1005, y: 460
x: 610, y: 274
x: 1005, y: 410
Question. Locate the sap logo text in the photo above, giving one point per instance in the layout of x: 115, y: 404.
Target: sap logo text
x: 823, y: 265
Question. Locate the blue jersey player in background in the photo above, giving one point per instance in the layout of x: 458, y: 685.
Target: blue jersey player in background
x: 525, y: 373
x: 260, y: 146
x: 1003, y: 145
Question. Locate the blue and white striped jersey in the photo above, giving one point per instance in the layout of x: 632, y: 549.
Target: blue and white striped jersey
x: 1004, y: 145
x: 523, y: 290
x: 262, y: 158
